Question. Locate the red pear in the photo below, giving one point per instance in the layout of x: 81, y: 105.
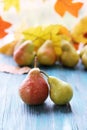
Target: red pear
x: 24, y: 53
x: 34, y: 89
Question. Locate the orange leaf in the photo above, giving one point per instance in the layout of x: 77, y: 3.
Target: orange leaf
x: 3, y: 25
x: 61, y: 6
x: 75, y: 44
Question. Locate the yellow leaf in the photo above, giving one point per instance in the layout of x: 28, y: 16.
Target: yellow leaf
x: 56, y: 39
x: 79, y: 32
x: 11, y: 3
x: 47, y: 29
x: 56, y: 29
x: 8, y: 48
x: 34, y: 34
x: 58, y: 51
x: 39, y: 35
x: 46, y: 36
x: 38, y: 31
x: 51, y: 29
x: 37, y: 43
x: 57, y: 44
x: 28, y: 36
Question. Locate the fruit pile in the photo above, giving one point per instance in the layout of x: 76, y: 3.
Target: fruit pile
x: 35, y: 89
x: 51, y: 44
x: 43, y: 42
x: 24, y: 54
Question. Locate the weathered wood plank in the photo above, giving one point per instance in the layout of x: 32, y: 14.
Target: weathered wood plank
x: 15, y: 115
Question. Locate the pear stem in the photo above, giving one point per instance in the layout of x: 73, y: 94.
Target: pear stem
x: 41, y: 71
x: 35, y: 61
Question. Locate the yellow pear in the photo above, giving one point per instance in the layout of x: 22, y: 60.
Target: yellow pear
x: 46, y: 53
x: 84, y: 48
x: 84, y: 59
x: 60, y: 92
x: 83, y: 56
x: 69, y: 56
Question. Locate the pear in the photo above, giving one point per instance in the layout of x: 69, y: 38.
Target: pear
x: 60, y: 92
x: 84, y: 59
x: 24, y: 53
x: 69, y: 56
x: 84, y: 48
x: 83, y: 55
x: 79, y: 32
x: 46, y: 54
x: 34, y: 89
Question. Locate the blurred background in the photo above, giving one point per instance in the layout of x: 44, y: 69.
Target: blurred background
x: 38, y: 12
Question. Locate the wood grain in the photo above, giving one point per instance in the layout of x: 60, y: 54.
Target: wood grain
x: 15, y: 115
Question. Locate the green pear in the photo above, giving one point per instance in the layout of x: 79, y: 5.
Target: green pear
x: 69, y: 56
x: 46, y: 54
x: 83, y: 56
x: 60, y: 92
x: 84, y: 59
x: 84, y: 48
x: 24, y: 53
x: 79, y: 32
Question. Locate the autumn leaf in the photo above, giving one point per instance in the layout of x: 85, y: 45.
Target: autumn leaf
x: 76, y: 45
x: 8, y: 48
x: 3, y: 25
x: 61, y: 6
x: 79, y: 31
x: 11, y: 3
x: 54, y: 32
x: 34, y: 34
x: 14, y: 69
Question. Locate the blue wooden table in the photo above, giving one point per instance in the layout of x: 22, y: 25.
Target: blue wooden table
x: 15, y: 115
